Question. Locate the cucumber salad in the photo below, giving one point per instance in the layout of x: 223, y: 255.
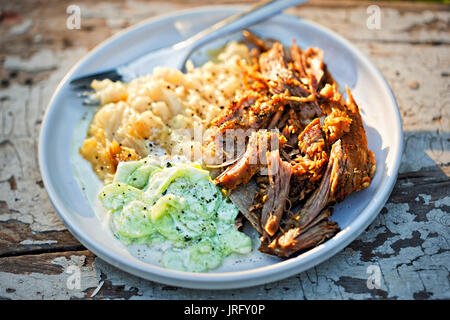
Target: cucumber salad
x: 174, y: 201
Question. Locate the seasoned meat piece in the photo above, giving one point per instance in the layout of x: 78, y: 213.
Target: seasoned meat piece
x: 261, y: 45
x: 309, y: 65
x: 360, y: 161
x: 254, y: 157
x: 243, y: 197
x: 236, y: 111
x: 249, y: 112
x: 274, y: 66
x: 314, y: 66
x: 279, y: 179
x: 253, y: 111
x: 282, y: 78
x: 336, y: 124
x: 337, y: 120
x: 344, y: 122
x: 294, y: 239
x: 308, y: 167
x: 293, y: 126
x: 311, y: 141
x: 326, y: 192
x: 298, y: 60
x: 266, y: 112
x: 243, y: 170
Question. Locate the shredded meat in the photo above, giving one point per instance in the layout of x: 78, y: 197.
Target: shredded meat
x: 325, y: 193
x: 309, y: 64
x: 279, y: 178
x: 361, y: 161
x: 310, y: 162
x: 282, y: 77
x: 243, y: 197
x: 294, y: 241
x: 288, y: 243
x: 254, y: 157
x: 274, y: 66
x: 287, y: 190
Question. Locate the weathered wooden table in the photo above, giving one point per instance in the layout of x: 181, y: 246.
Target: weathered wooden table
x: 407, y: 245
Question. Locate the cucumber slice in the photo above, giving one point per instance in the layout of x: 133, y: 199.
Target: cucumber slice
x: 162, y: 218
x: 134, y: 221
x: 140, y: 177
x: 193, y: 226
x: 203, y: 197
x: 208, y: 195
x: 233, y: 240
x: 162, y: 179
x: 204, y: 255
x: 117, y: 194
x: 227, y: 212
x: 125, y: 169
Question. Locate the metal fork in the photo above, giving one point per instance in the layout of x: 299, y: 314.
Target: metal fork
x: 176, y: 55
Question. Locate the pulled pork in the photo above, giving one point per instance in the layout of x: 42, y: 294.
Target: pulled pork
x: 306, y: 150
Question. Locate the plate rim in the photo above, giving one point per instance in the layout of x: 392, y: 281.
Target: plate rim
x: 235, y: 279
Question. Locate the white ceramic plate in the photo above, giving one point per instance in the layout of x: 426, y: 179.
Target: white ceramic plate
x: 347, y: 65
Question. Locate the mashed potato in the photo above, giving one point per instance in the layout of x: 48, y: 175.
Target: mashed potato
x: 159, y: 112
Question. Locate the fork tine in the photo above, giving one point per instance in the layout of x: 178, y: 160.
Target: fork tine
x: 84, y: 82
x: 88, y: 98
x: 83, y: 87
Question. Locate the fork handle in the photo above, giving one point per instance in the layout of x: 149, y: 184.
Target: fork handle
x: 261, y: 11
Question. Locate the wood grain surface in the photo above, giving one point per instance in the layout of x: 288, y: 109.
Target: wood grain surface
x: 408, y: 243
